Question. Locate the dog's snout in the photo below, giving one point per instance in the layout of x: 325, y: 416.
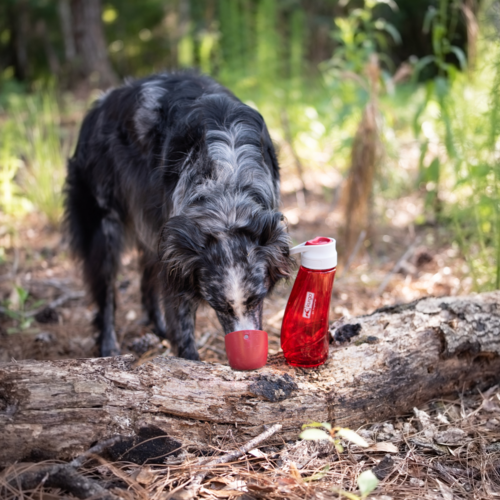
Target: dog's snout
x: 247, y: 322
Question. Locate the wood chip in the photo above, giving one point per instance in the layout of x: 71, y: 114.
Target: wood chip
x: 384, y: 447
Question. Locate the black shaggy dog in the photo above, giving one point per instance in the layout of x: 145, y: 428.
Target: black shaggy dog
x: 180, y: 166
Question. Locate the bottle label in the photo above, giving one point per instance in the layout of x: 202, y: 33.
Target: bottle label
x: 308, y: 306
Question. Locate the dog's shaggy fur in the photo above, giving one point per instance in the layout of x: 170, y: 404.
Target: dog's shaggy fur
x: 177, y: 164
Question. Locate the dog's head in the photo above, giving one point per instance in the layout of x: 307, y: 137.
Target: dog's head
x: 232, y: 267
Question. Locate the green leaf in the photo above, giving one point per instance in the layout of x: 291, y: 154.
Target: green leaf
x: 346, y: 494
x: 382, y: 25
x: 315, y: 435
x: 433, y: 171
x: 326, y: 425
x: 390, y: 3
x: 367, y: 482
x: 462, y: 60
x: 22, y: 293
x: 11, y: 314
x: 318, y: 475
x: 352, y: 436
x: 25, y: 323
x: 429, y: 16
x: 421, y: 64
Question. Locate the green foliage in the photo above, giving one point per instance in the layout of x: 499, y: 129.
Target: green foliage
x: 360, y: 34
x: 320, y: 431
x: 442, y: 23
x: 11, y: 199
x: 475, y: 127
x: 16, y: 309
x: 367, y: 482
x: 319, y: 475
x: 457, y: 125
x: 32, y: 156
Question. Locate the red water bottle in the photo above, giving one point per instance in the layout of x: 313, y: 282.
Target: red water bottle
x: 304, y: 332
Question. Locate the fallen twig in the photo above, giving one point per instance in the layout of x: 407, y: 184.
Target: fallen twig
x: 56, y: 303
x: 191, y: 489
x: 397, y: 266
x: 62, y: 476
x: 97, y: 449
x: 66, y: 477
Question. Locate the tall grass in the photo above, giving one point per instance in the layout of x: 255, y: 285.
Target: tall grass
x: 475, y: 203
x: 32, y: 155
x: 11, y: 199
x: 458, y: 127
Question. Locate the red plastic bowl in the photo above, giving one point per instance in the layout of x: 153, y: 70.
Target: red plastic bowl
x: 246, y: 349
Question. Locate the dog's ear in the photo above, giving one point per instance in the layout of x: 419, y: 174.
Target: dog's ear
x: 180, y: 250
x: 274, y: 246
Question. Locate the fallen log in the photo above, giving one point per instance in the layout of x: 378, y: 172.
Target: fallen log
x: 397, y: 358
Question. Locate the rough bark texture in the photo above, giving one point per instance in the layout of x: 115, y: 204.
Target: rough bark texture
x: 399, y: 357
x: 90, y: 42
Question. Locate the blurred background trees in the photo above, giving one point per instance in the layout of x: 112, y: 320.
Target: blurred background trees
x: 369, y: 101
x: 69, y: 39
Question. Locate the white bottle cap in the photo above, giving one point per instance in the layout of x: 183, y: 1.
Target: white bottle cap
x: 319, y: 253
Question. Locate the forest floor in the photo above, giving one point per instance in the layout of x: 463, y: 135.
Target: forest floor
x: 36, y: 271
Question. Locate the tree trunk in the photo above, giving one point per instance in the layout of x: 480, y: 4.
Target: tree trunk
x: 67, y: 30
x: 20, y: 22
x: 90, y: 42
x: 361, y: 177
x: 397, y: 358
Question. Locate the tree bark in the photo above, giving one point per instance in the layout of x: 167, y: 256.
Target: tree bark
x: 20, y: 22
x: 90, y: 42
x: 67, y: 30
x: 398, y: 357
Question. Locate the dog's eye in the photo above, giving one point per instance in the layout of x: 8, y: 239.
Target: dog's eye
x: 254, y: 301
x: 251, y: 302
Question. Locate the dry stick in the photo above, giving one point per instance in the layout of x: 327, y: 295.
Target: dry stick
x: 196, y: 482
x: 66, y: 477
x: 60, y: 284
x: 399, y: 263
x: 56, y: 303
x: 95, y: 450
x: 68, y: 295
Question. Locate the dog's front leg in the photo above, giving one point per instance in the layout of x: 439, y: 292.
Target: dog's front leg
x: 180, y: 317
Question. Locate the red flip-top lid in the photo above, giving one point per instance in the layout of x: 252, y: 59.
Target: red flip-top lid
x: 319, y: 253
x: 319, y: 240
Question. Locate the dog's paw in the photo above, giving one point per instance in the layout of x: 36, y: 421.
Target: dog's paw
x: 110, y: 349
x: 190, y: 353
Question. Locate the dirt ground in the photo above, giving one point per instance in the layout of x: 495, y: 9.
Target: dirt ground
x: 415, y: 467
x: 37, y: 261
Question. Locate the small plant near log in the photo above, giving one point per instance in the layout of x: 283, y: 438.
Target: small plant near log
x: 15, y: 309
x: 319, y: 431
